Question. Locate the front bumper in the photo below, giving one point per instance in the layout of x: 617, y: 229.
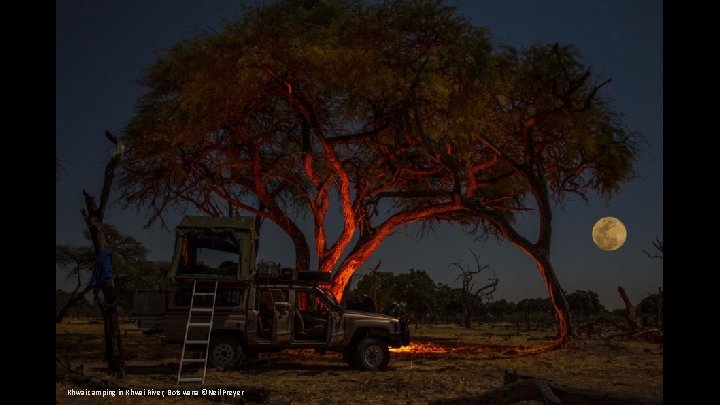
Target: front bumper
x: 401, y: 338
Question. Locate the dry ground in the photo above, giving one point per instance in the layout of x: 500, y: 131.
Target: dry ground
x: 460, y: 365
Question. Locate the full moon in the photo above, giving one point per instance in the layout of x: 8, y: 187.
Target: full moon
x: 609, y: 233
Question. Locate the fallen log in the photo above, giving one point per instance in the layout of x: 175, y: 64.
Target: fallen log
x: 651, y: 335
x: 590, y: 325
x: 526, y: 388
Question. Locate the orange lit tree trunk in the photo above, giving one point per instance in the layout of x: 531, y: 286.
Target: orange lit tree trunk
x: 539, y: 251
x: 541, y: 256
x: 269, y: 209
x: 302, y: 250
x: 366, y: 246
x: 566, y: 331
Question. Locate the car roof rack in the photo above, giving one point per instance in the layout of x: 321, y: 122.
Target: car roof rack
x: 287, y: 275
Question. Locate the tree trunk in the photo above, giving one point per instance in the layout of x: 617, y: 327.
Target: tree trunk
x: 629, y: 312
x: 566, y: 331
x: 364, y: 248
x: 540, y: 252
x: 258, y: 225
x: 74, y: 298
x: 94, y: 216
x: 527, y: 320
x: 347, y: 269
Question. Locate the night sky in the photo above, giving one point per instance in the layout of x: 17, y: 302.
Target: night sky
x: 102, y: 47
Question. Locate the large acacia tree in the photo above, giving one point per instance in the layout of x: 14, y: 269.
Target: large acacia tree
x: 298, y: 105
x: 539, y: 114
x: 397, y: 112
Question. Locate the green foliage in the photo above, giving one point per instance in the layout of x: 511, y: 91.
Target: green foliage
x: 577, y: 142
x: 501, y: 309
x: 415, y: 68
x: 402, y: 111
x: 256, y: 88
x: 132, y: 269
x: 584, y: 303
x: 74, y: 259
x: 535, y: 310
x: 82, y: 309
x: 533, y: 305
x: 379, y: 286
x: 650, y: 310
x: 414, y: 289
x: 417, y: 290
x: 421, y: 295
x: 448, y: 301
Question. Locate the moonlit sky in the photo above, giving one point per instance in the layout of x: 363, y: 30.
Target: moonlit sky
x: 102, y: 47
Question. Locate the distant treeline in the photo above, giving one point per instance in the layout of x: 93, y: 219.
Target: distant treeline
x: 416, y: 294
x: 428, y: 302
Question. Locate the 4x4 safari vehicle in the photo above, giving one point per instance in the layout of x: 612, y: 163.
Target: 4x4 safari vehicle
x: 257, y: 310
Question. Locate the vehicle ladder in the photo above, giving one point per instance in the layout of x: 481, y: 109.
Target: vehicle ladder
x: 198, y: 317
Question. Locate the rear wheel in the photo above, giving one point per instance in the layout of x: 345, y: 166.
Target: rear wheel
x: 225, y: 351
x: 372, y: 354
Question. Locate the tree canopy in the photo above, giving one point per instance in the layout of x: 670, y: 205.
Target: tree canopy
x: 400, y: 111
x: 585, y: 303
x: 130, y: 264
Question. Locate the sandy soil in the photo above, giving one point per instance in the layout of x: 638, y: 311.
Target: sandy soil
x: 447, y: 361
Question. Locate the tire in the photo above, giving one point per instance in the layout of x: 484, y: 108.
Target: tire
x: 225, y: 351
x: 372, y: 354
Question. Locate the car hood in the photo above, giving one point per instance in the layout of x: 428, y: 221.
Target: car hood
x: 366, y: 315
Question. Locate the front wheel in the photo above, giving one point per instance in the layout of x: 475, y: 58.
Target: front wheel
x: 372, y: 354
x: 225, y: 351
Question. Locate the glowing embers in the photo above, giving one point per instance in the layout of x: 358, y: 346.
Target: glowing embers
x: 421, y: 348
x: 433, y: 349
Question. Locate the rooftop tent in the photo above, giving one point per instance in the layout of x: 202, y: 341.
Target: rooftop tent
x: 214, y: 247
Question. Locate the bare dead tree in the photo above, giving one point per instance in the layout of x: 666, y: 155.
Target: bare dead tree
x: 59, y: 168
x: 94, y: 216
x: 630, y: 314
x: 94, y: 213
x: 658, y: 245
x: 469, y: 294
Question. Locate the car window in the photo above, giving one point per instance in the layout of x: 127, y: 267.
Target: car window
x: 311, y: 301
